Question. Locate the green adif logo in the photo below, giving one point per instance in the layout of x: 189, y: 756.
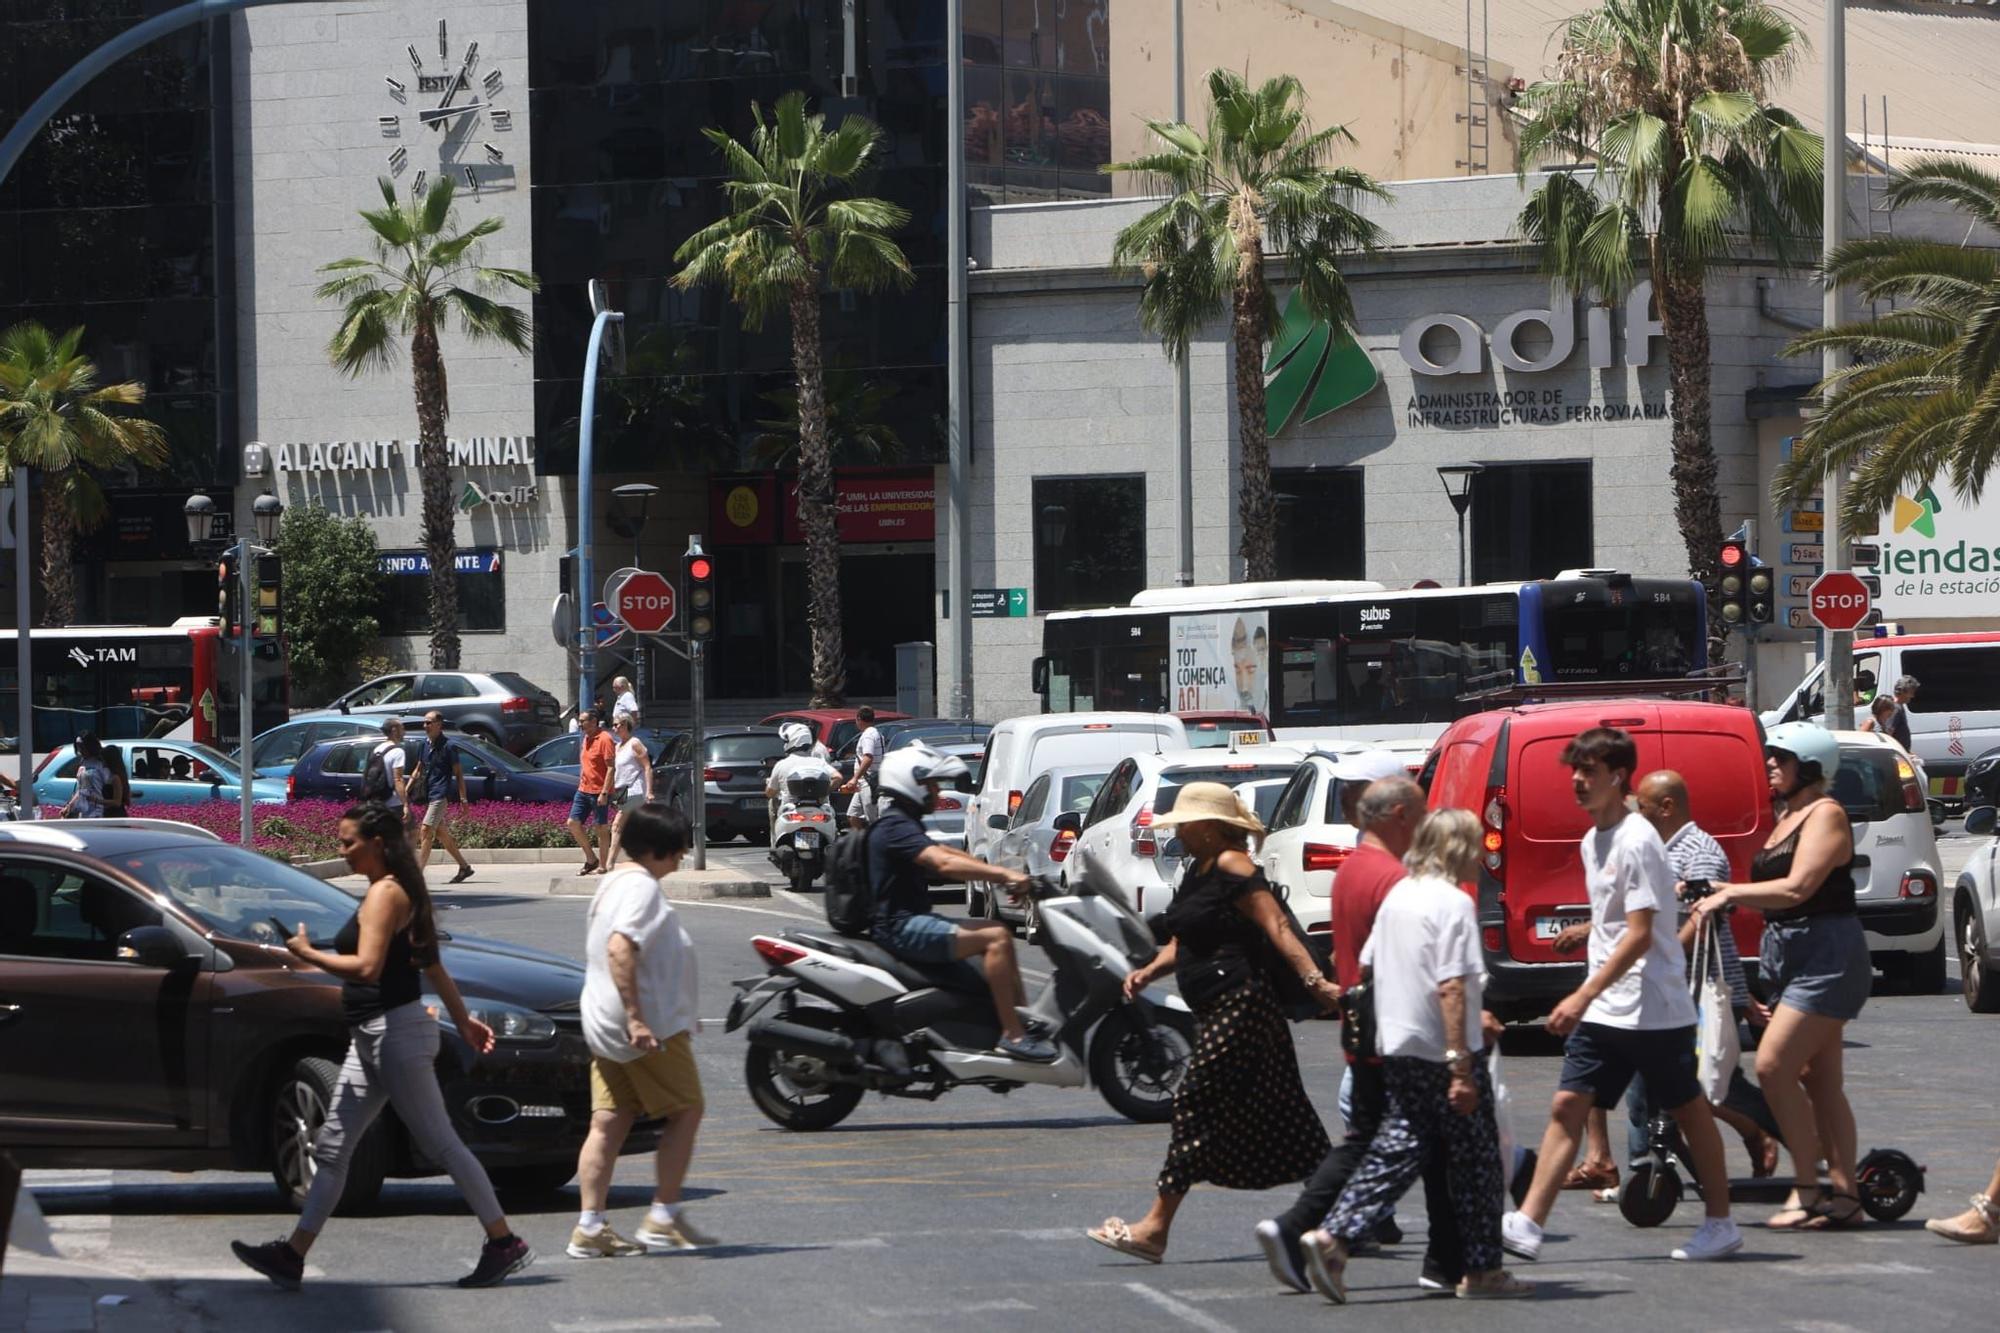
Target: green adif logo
x: 1308, y: 365
x: 1918, y: 514
x: 472, y: 497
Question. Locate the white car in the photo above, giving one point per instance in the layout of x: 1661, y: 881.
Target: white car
x: 1020, y: 749
x: 1896, y: 868
x: 1975, y: 913
x: 1116, y: 851
x: 1309, y: 837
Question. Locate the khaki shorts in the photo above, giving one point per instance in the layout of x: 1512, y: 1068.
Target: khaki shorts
x: 436, y: 813
x: 660, y: 1083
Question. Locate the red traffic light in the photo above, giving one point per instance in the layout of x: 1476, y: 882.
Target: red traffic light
x: 1732, y: 555
x: 699, y: 568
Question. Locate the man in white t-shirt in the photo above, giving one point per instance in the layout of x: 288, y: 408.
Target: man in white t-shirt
x: 1633, y: 1014
x: 393, y: 760
x: 868, y: 748
x: 639, y: 1018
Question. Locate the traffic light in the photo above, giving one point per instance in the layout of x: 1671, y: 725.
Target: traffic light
x: 270, y: 622
x: 1732, y: 578
x: 1762, y: 585
x: 229, y: 593
x: 698, y: 594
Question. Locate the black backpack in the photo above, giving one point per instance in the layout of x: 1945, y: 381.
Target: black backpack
x: 375, y: 777
x: 850, y: 897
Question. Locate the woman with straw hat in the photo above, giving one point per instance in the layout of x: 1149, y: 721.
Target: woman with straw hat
x: 1241, y: 1117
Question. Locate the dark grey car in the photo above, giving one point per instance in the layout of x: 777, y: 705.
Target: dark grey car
x: 503, y: 706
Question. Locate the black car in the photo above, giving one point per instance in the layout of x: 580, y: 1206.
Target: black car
x: 735, y: 766
x: 331, y: 771
x: 673, y: 761
x: 1982, y: 780
x: 151, y: 1017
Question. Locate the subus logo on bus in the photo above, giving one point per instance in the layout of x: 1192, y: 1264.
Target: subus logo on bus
x: 90, y: 657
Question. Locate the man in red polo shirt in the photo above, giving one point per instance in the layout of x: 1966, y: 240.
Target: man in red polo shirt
x: 1386, y: 812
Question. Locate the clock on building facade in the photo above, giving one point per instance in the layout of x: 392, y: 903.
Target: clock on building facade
x: 456, y: 101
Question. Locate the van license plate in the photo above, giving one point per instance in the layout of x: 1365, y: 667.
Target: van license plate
x: 1548, y: 927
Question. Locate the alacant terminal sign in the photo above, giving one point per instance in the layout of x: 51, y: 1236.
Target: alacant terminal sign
x: 382, y: 455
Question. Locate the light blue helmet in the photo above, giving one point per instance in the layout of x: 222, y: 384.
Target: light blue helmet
x: 1813, y: 746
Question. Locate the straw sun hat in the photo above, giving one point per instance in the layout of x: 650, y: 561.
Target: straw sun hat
x: 1204, y: 802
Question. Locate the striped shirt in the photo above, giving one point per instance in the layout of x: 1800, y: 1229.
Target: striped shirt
x: 1693, y: 854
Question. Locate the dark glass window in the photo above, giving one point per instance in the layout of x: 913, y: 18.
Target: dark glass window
x: 1090, y: 541
x: 1038, y: 98
x: 405, y: 607
x: 1320, y: 531
x: 1952, y: 680
x: 1530, y: 521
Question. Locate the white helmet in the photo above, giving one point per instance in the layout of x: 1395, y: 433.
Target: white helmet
x: 1817, y: 752
x: 796, y: 737
x: 906, y: 770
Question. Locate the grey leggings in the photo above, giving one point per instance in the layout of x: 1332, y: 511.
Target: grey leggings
x: 392, y: 1058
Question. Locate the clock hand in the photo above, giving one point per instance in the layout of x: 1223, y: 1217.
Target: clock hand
x: 438, y: 115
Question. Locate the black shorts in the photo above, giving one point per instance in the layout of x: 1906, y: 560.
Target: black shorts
x: 1601, y: 1061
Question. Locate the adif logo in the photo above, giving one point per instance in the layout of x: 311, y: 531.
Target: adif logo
x: 82, y: 658
x: 1308, y: 364
x: 1917, y: 515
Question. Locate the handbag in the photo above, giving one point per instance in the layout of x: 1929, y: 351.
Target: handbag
x: 1357, y: 1020
x: 1205, y: 982
x: 1294, y: 996
x: 1716, y: 1045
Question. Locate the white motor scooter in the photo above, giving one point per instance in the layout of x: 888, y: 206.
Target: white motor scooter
x: 802, y: 830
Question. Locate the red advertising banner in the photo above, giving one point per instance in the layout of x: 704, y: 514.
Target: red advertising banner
x: 875, y: 506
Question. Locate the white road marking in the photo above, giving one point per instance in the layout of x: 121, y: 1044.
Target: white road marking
x: 1180, y: 1310
x: 1007, y: 1306
x: 638, y: 1325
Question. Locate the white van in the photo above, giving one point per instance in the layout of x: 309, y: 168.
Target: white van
x: 1020, y: 749
x: 1956, y: 714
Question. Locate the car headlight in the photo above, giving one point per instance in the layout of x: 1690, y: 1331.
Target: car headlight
x: 1982, y: 764
x: 510, y: 1022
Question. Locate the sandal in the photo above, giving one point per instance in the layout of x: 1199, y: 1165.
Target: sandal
x: 1794, y: 1217
x: 1325, y: 1265
x: 1984, y: 1229
x: 1829, y: 1215
x: 1114, y: 1234
x: 1497, y: 1286
x: 589, y: 867
x: 1588, y: 1177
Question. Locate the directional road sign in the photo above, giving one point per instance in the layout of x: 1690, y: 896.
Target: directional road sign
x: 644, y: 601
x: 1838, y: 600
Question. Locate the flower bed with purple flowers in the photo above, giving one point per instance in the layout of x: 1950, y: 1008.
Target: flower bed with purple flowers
x: 309, y: 830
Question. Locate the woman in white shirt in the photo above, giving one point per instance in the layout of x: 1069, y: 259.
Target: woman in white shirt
x: 631, y: 778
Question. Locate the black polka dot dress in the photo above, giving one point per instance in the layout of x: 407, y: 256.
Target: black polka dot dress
x: 1241, y: 1116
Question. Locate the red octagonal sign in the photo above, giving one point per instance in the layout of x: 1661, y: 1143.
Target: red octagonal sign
x: 1838, y: 600
x: 645, y: 602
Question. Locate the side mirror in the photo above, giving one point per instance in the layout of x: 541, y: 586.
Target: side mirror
x: 997, y: 822
x: 151, y: 946
x: 1982, y: 819
x: 1069, y: 821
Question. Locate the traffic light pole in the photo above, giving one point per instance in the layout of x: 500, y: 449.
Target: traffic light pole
x: 1833, y: 214
x: 1750, y: 635
x: 697, y: 691
x: 246, y: 570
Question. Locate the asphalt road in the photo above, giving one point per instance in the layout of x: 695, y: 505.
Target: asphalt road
x: 968, y: 1212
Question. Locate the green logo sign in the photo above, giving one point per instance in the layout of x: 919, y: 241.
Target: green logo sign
x: 472, y: 497
x: 1308, y: 365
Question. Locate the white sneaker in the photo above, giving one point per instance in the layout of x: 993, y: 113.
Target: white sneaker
x: 1715, y: 1238
x: 1520, y: 1237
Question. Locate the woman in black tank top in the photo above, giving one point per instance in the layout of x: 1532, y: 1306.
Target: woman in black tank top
x: 1814, y: 969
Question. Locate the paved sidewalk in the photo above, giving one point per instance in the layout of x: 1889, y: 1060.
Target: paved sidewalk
x: 43, y: 1295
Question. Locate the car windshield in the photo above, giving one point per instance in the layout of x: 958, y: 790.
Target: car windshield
x: 1264, y: 800
x: 938, y: 737
x: 1078, y: 792
x: 561, y: 750
x: 244, y: 895
x: 743, y: 749
x: 1229, y: 775
x: 492, y: 754
x: 1868, y: 785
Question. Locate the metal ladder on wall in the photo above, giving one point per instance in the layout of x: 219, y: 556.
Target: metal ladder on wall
x: 1875, y: 186
x: 1477, y: 116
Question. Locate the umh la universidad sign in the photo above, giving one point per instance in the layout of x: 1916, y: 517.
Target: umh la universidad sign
x: 1221, y: 662
x: 1940, y: 556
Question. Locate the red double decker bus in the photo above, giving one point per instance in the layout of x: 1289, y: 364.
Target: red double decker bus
x: 134, y: 682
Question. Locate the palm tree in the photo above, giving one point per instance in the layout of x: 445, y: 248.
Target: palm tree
x: 1921, y: 399
x: 789, y: 230
x: 54, y: 418
x: 421, y: 274
x: 855, y: 430
x: 1257, y: 181
x: 1670, y: 100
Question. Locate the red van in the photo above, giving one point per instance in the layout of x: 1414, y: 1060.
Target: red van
x: 1506, y: 767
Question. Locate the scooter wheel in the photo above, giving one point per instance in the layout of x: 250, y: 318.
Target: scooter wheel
x: 1650, y: 1195
x: 1890, y: 1183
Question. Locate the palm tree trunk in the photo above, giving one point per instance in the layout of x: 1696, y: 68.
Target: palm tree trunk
x: 1697, y: 499
x: 58, y: 553
x: 439, y: 540
x: 817, y: 512
x: 1256, y: 506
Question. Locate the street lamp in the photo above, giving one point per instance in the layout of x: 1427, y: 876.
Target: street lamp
x: 1461, y: 500
x: 628, y: 518
x: 1055, y: 525
x: 265, y: 512
x: 200, y: 514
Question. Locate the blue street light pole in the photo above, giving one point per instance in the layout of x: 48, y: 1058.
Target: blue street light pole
x: 586, y: 501
x: 11, y: 148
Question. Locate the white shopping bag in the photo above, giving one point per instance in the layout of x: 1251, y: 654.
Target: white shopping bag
x: 1510, y: 1155
x: 1716, y: 1046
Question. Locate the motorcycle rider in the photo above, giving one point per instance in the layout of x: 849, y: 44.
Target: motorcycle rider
x: 799, y: 762
x: 901, y: 859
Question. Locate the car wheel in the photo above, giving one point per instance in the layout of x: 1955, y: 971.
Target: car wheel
x: 530, y: 1182
x: 1926, y: 970
x: 299, y: 1105
x: 1976, y: 980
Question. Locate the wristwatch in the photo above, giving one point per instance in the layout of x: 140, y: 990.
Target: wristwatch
x: 1454, y: 1057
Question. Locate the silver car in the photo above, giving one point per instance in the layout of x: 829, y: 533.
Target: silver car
x: 1031, y: 841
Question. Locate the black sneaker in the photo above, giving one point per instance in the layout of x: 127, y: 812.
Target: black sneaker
x: 275, y: 1259
x: 1388, y: 1232
x: 499, y: 1259
x: 464, y: 873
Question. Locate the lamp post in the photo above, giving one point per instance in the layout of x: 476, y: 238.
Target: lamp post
x: 586, y: 501
x: 265, y: 511
x: 1461, y: 500
x: 628, y: 517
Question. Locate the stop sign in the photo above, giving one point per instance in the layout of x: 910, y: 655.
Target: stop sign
x: 1838, y: 600
x: 644, y: 601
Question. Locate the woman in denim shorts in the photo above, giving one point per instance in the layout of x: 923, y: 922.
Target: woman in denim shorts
x: 1815, y: 970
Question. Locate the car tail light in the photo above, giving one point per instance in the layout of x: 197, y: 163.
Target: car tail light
x: 1494, y: 840
x: 1322, y: 856
x: 1143, y: 842
x: 716, y: 774
x: 1913, y: 791
x: 517, y: 704
x: 776, y: 952
x: 1013, y: 803
x: 1493, y: 940
x: 291, y: 786
x: 1917, y: 884
x: 1320, y: 928
x: 950, y: 803
x: 1059, y: 849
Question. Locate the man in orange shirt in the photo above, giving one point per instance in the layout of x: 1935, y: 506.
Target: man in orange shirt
x: 592, y: 802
